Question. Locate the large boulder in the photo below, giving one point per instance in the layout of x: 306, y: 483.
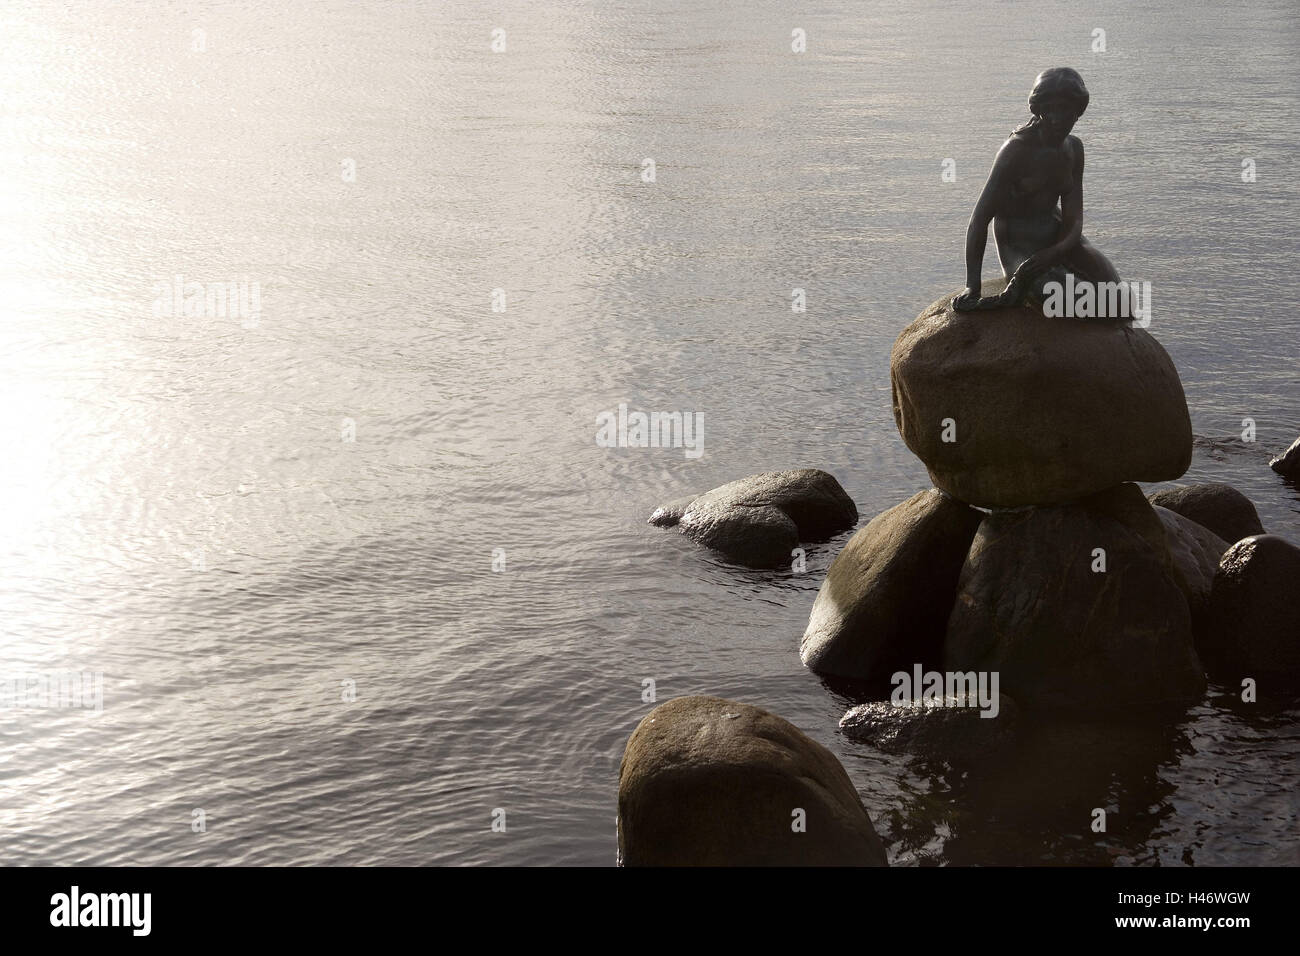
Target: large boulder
x: 885, y: 601
x: 1253, y: 620
x: 1221, y: 508
x: 759, y: 520
x: 1076, y: 609
x: 1195, y: 551
x: 1009, y: 407
x: 711, y: 782
x: 1287, y: 464
x: 1125, y: 504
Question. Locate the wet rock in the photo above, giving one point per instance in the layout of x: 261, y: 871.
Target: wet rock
x: 759, y: 520
x: 1009, y: 407
x: 760, y: 537
x: 1253, y: 620
x: 1287, y: 464
x: 667, y: 516
x: 1221, y: 508
x: 951, y: 728
x: 1078, y: 611
x: 1195, y: 551
x: 711, y: 782
x: 885, y: 601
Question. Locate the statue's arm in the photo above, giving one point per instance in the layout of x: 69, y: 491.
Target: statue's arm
x: 977, y: 230
x: 1071, y: 209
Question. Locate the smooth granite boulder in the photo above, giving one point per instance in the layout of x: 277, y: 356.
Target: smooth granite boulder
x: 885, y: 601
x: 952, y: 728
x: 712, y: 782
x: 1195, y: 551
x: 758, y: 521
x: 1287, y: 464
x: 1126, y: 504
x: 1253, y: 619
x: 1076, y: 609
x: 1221, y: 508
x: 1008, y: 407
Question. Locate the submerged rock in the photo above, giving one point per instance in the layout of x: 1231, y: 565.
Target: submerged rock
x: 759, y: 520
x: 885, y: 601
x: 1221, y: 508
x: 1195, y: 551
x: 1253, y: 619
x: 1287, y: 464
x: 1076, y: 609
x: 1008, y: 407
x: 711, y: 782
x: 667, y: 516
x: 953, y: 728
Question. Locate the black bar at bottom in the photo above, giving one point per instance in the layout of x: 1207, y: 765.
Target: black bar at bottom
x: 335, y: 905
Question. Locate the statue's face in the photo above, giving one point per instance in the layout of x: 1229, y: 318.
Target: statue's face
x: 1056, y: 118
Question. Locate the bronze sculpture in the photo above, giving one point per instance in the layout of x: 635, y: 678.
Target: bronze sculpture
x: 1039, y: 166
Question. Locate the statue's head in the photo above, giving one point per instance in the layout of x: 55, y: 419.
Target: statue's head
x: 1057, y: 101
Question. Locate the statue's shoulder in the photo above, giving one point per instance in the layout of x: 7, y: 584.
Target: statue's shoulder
x: 1018, y: 140
x: 1015, y: 145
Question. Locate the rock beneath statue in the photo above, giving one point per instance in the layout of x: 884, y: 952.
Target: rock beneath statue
x: 885, y: 601
x: 758, y: 521
x: 1287, y: 464
x: 1008, y: 407
x: 952, y: 728
x: 1221, y: 508
x: 711, y: 782
x: 1253, y: 621
x: 1077, y: 610
x: 1195, y: 551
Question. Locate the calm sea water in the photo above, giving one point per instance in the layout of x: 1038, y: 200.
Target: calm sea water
x: 181, y: 510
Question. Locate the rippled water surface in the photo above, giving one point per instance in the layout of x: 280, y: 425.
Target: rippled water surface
x: 182, y: 512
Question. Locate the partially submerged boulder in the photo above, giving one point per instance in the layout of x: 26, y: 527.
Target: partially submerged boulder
x: 759, y: 520
x: 1195, y: 551
x: 1253, y: 619
x: 1287, y: 464
x: 667, y: 516
x: 711, y: 782
x: 952, y: 728
x: 1221, y: 508
x: 1078, y: 611
x: 1009, y: 407
x: 885, y: 601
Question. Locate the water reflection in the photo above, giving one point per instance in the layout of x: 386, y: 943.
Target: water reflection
x: 1036, y: 801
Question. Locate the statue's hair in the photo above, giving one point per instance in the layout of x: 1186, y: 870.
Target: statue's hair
x: 1059, y: 82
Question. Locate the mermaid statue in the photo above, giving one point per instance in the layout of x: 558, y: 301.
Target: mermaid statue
x: 1038, y: 167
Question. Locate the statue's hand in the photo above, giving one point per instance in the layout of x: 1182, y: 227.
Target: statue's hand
x: 1033, y: 265
x: 966, y: 301
x: 1009, y: 296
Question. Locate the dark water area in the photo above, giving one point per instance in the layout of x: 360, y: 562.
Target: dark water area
x: 234, y: 519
